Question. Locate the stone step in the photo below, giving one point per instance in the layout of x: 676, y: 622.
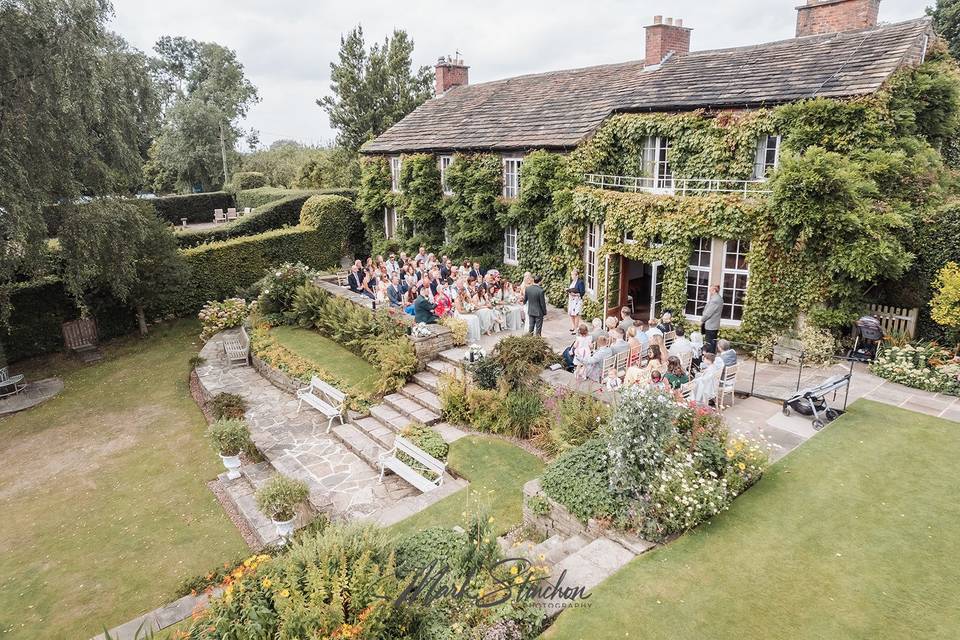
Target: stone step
x: 453, y: 356
x: 428, y: 380
x: 573, y: 544
x: 592, y: 564
x: 358, y: 442
x: 442, y: 367
x: 257, y: 474
x: 377, y: 431
x: 551, y: 549
x: 413, y: 410
x: 428, y: 399
x: 389, y: 416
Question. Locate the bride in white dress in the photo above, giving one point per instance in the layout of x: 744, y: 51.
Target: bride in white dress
x: 463, y: 310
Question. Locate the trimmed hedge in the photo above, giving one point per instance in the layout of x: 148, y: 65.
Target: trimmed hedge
x: 336, y: 218
x: 222, y: 269
x: 249, y: 180
x: 279, y: 214
x: 40, y: 306
x: 195, y: 207
x: 254, y: 198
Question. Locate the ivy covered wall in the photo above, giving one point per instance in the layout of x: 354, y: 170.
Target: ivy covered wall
x: 855, y: 181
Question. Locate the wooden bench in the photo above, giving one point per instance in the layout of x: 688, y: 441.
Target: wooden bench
x: 219, y: 216
x: 10, y: 385
x: 390, y: 460
x: 325, y: 398
x: 237, y: 348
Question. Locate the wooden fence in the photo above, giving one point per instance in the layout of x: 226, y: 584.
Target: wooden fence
x: 896, y: 319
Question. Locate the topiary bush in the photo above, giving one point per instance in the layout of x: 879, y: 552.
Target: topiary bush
x: 249, y: 180
x: 337, y: 218
x: 580, y: 481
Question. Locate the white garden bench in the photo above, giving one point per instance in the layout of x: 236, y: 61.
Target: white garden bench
x: 237, y: 348
x: 10, y: 385
x: 389, y: 460
x: 325, y: 398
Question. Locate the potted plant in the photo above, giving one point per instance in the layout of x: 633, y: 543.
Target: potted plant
x: 279, y: 499
x: 231, y: 436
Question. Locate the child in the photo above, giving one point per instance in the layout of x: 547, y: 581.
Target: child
x: 582, y: 345
x: 656, y: 380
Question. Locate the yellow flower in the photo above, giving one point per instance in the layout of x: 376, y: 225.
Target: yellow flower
x: 742, y: 466
x: 513, y: 570
x: 729, y: 453
x: 266, y: 582
x: 285, y: 593
x: 490, y: 519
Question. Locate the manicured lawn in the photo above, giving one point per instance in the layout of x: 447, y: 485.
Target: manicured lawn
x: 853, y: 535
x: 328, y: 355
x: 497, y: 471
x: 103, y: 493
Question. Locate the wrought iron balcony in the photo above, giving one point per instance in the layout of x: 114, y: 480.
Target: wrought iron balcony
x: 678, y: 186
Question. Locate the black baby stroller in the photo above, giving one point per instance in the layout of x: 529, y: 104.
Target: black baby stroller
x: 812, y: 401
x: 869, y: 334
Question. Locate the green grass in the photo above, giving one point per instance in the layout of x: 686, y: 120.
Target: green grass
x: 328, y: 355
x: 497, y: 471
x: 853, y: 535
x: 103, y: 493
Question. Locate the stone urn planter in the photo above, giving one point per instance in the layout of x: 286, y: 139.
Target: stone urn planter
x: 232, y: 464
x: 284, y: 528
x: 279, y: 499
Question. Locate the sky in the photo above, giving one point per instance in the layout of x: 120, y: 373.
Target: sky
x: 286, y: 46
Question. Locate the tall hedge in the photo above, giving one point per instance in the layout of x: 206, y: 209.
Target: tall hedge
x: 195, y: 207
x: 282, y: 213
x: 40, y: 306
x: 337, y: 219
x: 249, y: 180
x: 254, y: 198
x: 222, y: 269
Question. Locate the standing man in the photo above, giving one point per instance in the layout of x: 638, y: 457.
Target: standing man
x: 536, y: 305
x: 710, y: 320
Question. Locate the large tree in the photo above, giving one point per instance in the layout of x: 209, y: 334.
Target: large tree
x: 77, y: 110
x: 374, y: 89
x: 946, y: 20
x: 123, y: 248
x: 207, y: 96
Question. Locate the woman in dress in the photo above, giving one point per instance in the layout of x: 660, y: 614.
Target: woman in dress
x: 443, y: 301
x: 369, y: 285
x: 513, y: 312
x: 463, y: 307
x: 575, y: 293
x: 483, y: 310
x: 526, y: 282
x: 676, y: 376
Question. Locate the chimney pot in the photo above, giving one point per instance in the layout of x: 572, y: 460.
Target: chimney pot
x: 679, y: 22
x: 657, y: 19
x: 670, y: 21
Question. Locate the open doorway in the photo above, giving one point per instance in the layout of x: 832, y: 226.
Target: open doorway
x: 641, y: 289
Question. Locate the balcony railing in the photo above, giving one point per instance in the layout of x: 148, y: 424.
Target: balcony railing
x: 678, y: 186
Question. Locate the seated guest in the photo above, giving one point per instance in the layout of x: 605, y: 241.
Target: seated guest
x: 666, y: 322
x: 395, y: 291
x: 423, y: 308
x: 369, y: 285
x: 636, y: 375
x: 656, y: 380
x: 619, y: 345
x: 705, y: 384
x: 626, y: 320
x: 676, y: 376
x: 638, y: 338
x: 408, y: 299
x: 653, y: 331
x: 681, y: 344
x: 594, y: 364
x: 392, y: 265
x: 443, y: 301
x: 610, y: 324
x: 597, y: 330
x: 726, y: 353
x: 355, y: 279
x: 475, y: 272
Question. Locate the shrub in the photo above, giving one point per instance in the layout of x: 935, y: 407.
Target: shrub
x: 579, y: 480
x: 945, y: 304
x: 217, y: 316
x: 280, y: 496
x: 254, y: 198
x: 523, y: 358
x: 249, y: 180
x: 228, y: 405
x: 279, y: 286
x: 275, y: 215
x: 454, y: 406
x: 819, y: 346
x: 486, y: 373
x: 921, y: 366
x: 420, y: 549
x: 539, y: 505
x: 522, y: 410
x: 396, y: 360
x: 637, y: 437
x: 458, y: 329
x: 427, y: 439
x: 230, y: 436
x: 746, y: 462
x: 221, y: 269
x: 571, y: 419
x: 485, y: 410
x: 337, y: 218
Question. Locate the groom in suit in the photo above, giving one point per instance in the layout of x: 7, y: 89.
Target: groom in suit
x: 536, y: 305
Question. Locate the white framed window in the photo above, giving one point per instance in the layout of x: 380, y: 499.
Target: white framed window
x: 628, y: 238
x: 511, y: 177
x: 445, y: 162
x: 395, y: 173
x: 510, y: 246
x: 736, y: 276
x: 768, y: 157
x: 390, y: 222
x: 698, y: 276
x: 656, y: 162
x: 591, y: 258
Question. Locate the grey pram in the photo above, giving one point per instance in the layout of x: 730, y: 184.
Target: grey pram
x: 812, y: 401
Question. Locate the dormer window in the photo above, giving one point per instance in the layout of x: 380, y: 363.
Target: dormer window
x: 395, y: 174
x: 768, y: 157
x: 511, y: 177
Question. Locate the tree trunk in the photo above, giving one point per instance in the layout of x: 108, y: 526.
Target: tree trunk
x: 142, y: 320
x: 223, y: 155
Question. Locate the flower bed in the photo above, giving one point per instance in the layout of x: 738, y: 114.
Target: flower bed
x: 923, y: 366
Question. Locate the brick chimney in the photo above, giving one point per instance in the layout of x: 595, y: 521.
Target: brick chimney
x: 832, y: 16
x: 450, y: 72
x: 664, y: 38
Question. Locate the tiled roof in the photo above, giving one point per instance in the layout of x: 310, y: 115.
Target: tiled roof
x: 558, y: 109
